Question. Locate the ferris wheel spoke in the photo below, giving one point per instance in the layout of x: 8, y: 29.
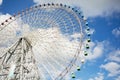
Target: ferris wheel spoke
x: 53, y: 57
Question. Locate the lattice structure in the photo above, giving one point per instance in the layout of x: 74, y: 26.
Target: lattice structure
x: 18, y: 63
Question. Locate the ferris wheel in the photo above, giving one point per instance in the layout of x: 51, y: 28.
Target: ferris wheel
x: 43, y: 42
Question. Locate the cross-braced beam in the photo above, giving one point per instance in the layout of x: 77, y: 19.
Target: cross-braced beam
x: 18, y: 63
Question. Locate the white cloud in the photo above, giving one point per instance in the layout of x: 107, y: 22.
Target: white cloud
x: 96, y: 50
x: 1, y: 2
x: 4, y: 17
x: 112, y: 67
x: 92, y: 31
x: 90, y: 8
x: 100, y: 76
x: 116, y: 32
x: 114, y: 56
x: 118, y: 78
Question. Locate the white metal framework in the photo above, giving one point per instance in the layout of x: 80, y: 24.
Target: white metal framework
x: 18, y: 63
x: 49, y: 41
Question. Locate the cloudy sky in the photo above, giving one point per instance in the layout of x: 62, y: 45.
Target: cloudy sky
x: 104, y: 18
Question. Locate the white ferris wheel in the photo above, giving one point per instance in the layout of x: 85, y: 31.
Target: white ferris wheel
x: 43, y: 42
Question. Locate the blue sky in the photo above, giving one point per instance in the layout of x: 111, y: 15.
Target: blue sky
x: 104, y: 19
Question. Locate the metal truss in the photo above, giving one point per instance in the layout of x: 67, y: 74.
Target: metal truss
x: 18, y: 63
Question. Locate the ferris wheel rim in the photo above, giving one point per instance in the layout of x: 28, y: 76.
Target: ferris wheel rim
x: 36, y: 7
x: 43, y: 6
